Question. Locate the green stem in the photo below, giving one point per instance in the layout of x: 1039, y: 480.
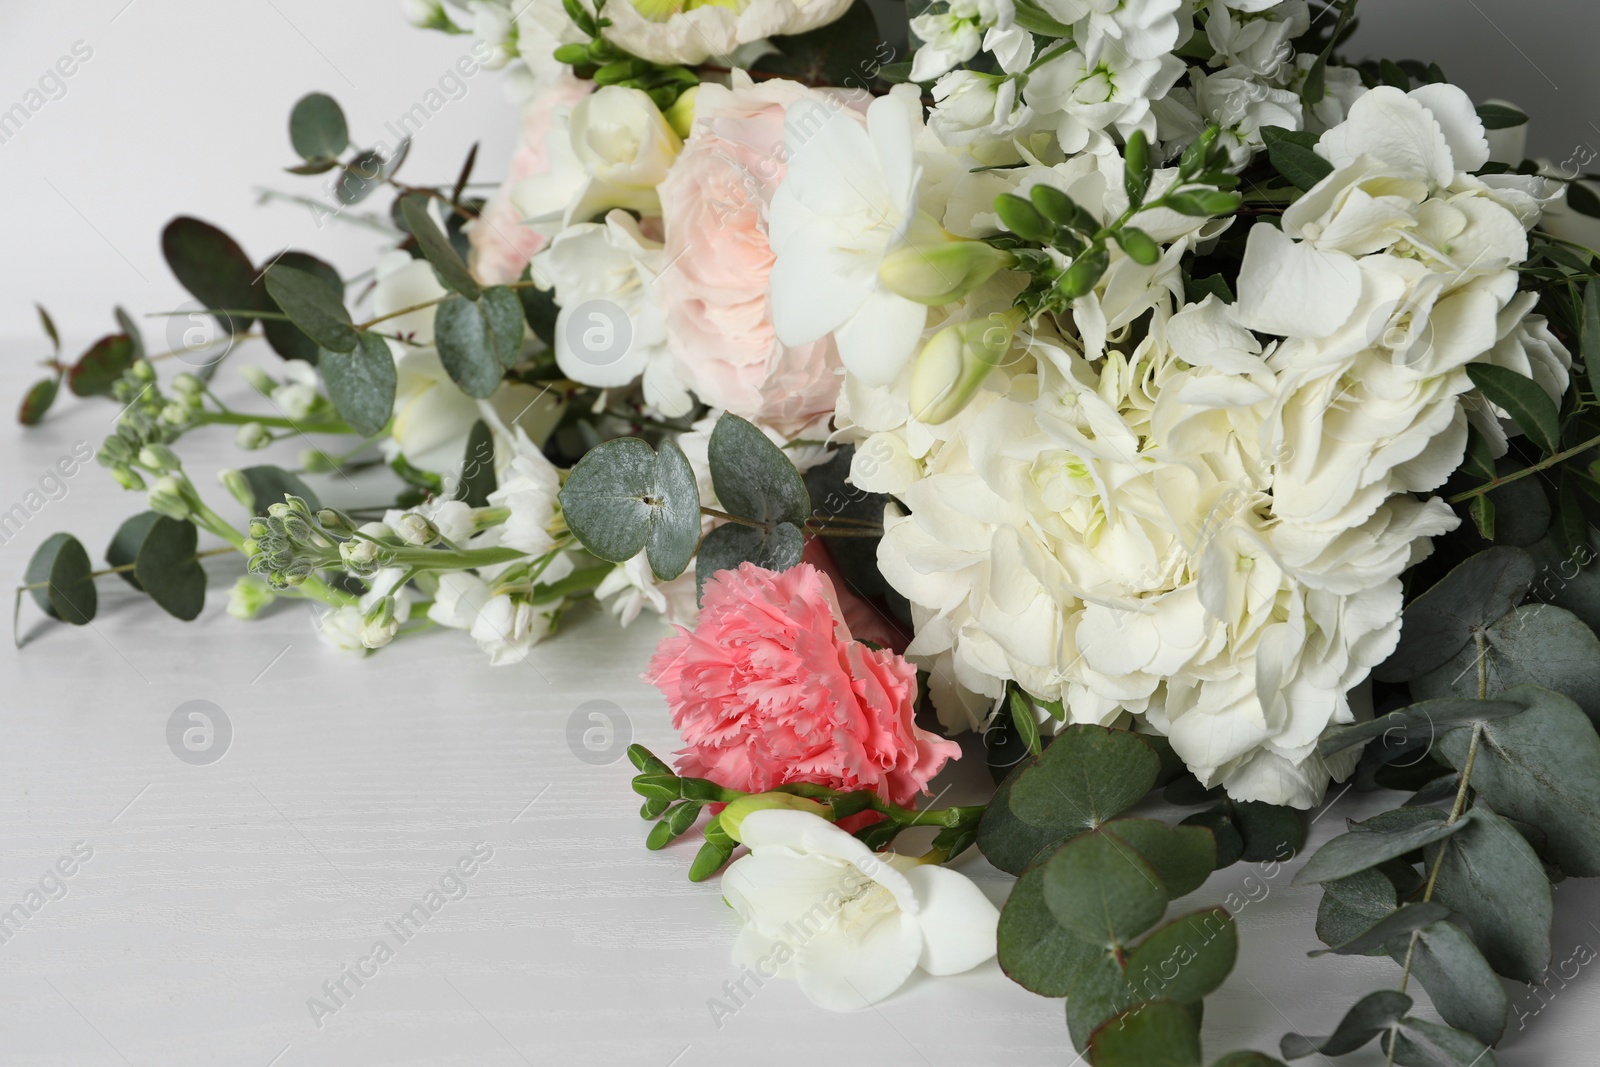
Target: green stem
x: 1548, y: 461
x: 276, y: 422
x: 715, y: 514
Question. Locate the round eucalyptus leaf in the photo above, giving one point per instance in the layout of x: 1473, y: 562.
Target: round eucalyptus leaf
x: 317, y: 127
x: 1400, y: 922
x: 675, y: 514
x: 37, y: 400
x: 1158, y: 1034
x: 361, y: 383
x: 623, y: 497
x: 287, y: 339
x: 1005, y: 840
x: 168, y: 570
x: 1424, y: 1044
x: 1353, y: 904
x: 1035, y: 951
x: 502, y: 315
x: 1099, y: 992
x: 213, y: 268
x: 313, y: 305
x: 733, y: 543
x: 753, y: 478
x: 1182, y: 856
x: 1186, y: 959
x: 124, y: 547
x: 98, y: 369
x: 1087, y: 775
x: 437, y: 249
x: 1103, y: 891
x: 59, y: 571
x: 468, y: 347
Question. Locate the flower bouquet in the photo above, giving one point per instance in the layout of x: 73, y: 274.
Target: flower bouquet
x: 1145, y: 385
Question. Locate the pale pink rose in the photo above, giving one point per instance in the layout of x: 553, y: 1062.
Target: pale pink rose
x: 771, y: 688
x: 714, y: 207
x: 501, y: 243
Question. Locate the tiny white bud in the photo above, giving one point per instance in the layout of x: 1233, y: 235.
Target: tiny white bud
x: 252, y: 436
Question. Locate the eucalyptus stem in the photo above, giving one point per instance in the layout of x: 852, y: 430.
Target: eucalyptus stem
x: 1549, y: 461
x: 276, y: 422
x: 715, y: 514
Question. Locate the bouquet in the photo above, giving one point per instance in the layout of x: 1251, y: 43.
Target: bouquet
x: 1146, y: 385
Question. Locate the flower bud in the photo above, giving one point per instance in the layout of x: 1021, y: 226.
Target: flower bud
x: 258, y: 379
x: 429, y: 15
x: 732, y: 817
x: 114, y: 452
x: 188, y: 385
x: 252, y: 436
x: 680, y: 116
x: 298, y: 529
x: 167, y: 497
x: 127, y: 477
x: 259, y: 530
x: 379, y: 625
x: 360, y: 557
x: 335, y: 521
x: 416, y: 529
x: 175, y: 413
x: 248, y: 597
x: 238, y: 486
x: 941, y: 273
x: 316, y: 461
x: 159, y: 458
x: 955, y: 362
x: 142, y: 371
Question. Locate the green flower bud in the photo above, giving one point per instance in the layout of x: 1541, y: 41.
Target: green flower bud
x: 127, y: 477
x: 142, y: 371
x: 238, y: 486
x: 955, y: 361
x: 298, y: 529
x: 297, y: 572
x: 732, y: 817
x: 252, y: 436
x: 379, y: 625
x: 335, y: 521
x: 187, y: 385
x: 159, y: 458
x: 942, y: 273
x: 248, y: 597
x: 259, y: 529
x: 167, y: 496
x: 360, y: 557
x: 176, y: 414
x: 1022, y: 218
x: 114, y: 452
x: 1140, y: 246
x: 259, y: 380
x: 316, y: 461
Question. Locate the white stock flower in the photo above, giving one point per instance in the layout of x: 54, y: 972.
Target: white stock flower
x: 953, y: 36
x: 528, y: 488
x: 849, y: 925
x: 297, y: 396
x: 1079, y: 99
x: 635, y: 587
x: 1130, y: 29
x: 506, y: 626
x: 341, y: 628
x: 849, y: 197
x: 969, y: 106
x: 672, y: 31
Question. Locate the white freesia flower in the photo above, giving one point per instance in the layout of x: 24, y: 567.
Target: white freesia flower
x: 849, y: 197
x: 670, y: 31
x: 625, y: 146
x: 848, y: 924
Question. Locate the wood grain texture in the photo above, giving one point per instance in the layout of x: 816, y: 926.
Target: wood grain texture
x: 220, y: 898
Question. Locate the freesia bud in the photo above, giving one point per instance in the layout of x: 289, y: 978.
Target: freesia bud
x: 680, y: 116
x: 238, y: 486
x: 955, y: 362
x: 941, y: 273
x: 114, y: 452
x: 248, y: 597
x: 732, y: 816
x: 143, y: 371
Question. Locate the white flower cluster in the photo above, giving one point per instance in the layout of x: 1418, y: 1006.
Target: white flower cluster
x: 1197, y: 513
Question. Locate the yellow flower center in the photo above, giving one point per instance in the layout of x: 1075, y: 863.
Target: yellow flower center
x: 662, y: 10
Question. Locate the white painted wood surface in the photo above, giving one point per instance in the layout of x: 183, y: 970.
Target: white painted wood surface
x: 220, y: 898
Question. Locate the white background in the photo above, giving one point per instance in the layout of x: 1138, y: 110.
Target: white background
x: 220, y: 898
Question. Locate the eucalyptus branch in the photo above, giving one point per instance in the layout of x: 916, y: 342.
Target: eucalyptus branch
x: 1549, y: 461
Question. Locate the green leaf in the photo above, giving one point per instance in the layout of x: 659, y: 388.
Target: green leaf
x: 287, y: 339
x: 1590, y: 349
x: 1033, y: 18
x: 753, y: 478
x: 98, y: 369
x: 1102, y: 890
x: 1224, y: 832
x: 1300, y: 166
x: 539, y: 308
x: 361, y: 383
x: 832, y: 54
x: 317, y: 127
x: 1500, y: 117
x: 37, y: 400
x: 124, y: 547
x: 1088, y: 774
x: 1493, y: 878
x: 477, y: 467
x: 1423, y: 1044
x: 1270, y: 831
x: 269, y: 485
x: 1582, y: 199
x: 214, y: 269
x: 1158, y: 1034
x: 1372, y: 1015
x: 1418, y: 724
x: 1437, y: 624
x: 1186, y: 959
x: 1523, y: 399
x: 1005, y: 840
x: 1024, y: 723
x: 60, y: 569
x: 733, y: 543
x: 314, y: 306
x: 1407, y: 918
x: 1353, y: 904
x: 1034, y: 950
x: 1521, y: 508
x: 479, y: 339
x: 1538, y: 644
x: 436, y: 247
x: 623, y: 497
x: 168, y: 570
x: 1098, y: 992
x: 1248, y: 1059
x: 1458, y: 979
x: 126, y: 324
x: 1541, y: 767
x: 48, y: 324
x: 1182, y: 857
x: 1367, y: 845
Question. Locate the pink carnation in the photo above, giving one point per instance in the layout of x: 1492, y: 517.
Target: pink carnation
x: 771, y: 688
x: 718, y: 307
x: 501, y: 244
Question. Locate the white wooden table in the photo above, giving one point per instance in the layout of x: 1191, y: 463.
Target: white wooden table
x: 220, y: 898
